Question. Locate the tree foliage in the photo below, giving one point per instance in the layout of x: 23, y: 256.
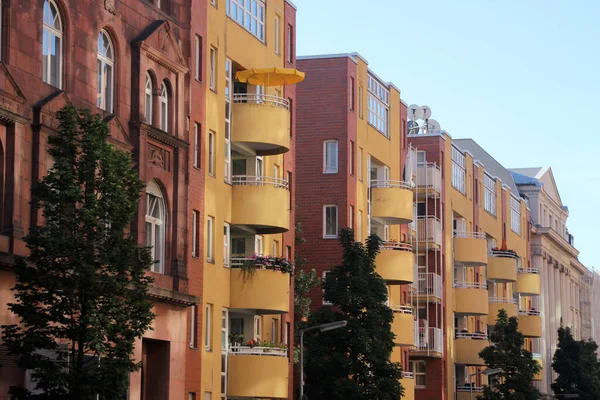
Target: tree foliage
x: 353, y: 363
x: 517, y: 364
x: 576, y: 363
x: 304, y: 281
x: 82, y: 293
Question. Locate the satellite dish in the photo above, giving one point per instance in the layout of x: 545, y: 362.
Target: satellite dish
x: 426, y: 112
x: 433, y: 125
x: 413, y: 127
x: 414, y: 112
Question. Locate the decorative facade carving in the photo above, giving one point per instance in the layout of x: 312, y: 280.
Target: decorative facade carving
x: 158, y: 156
x: 111, y: 6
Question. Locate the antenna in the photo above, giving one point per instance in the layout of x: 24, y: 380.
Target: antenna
x: 426, y: 112
x: 413, y: 127
x: 414, y: 112
x: 433, y: 125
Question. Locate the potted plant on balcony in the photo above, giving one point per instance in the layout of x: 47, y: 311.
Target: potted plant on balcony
x: 249, y: 267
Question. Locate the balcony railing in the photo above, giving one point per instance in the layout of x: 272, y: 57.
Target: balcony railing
x: 430, y: 340
x: 528, y: 271
x: 265, y: 99
x: 469, y: 235
x: 469, y: 335
x: 470, y: 285
x: 534, y: 313
x: 402, y: 309
x: 502, y: 300
x: 429, y: 230
x: 258, y: 350
x: 397, y: 246
x: 408, y: 375
x: 506, y: 254
x: 429, y: 284
x: 469, y: 388
x: 384, y: 183
x: 253, y: 180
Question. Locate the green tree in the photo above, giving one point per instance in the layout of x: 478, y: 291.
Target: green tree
x: 517, y: 364
x: 353, y: 363
x: 304, y: 281
x: 576, y: 363
x: 82, y: 293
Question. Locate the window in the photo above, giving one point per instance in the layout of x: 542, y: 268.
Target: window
x: 213, y: 2
x: 291, y: 107
x: 207, y: 395
x: 224, y: 330
x: 196, y: 145
x: 191, y: 396
x: 359, y: 162
x: 351, y: 90
x: 155, y: 226
x: 257, y: 327
x: 213, y: 66
x: 489, y: 194
x: 208, y: 325
x: 198, y: 59
x: 290, y: 44
x: 275, y: 248
x: 379, y: 97
x: 458, y: 170
x: 211, y: 153
x: 360, y: 102
x: 351, y: 218
x: 277, y: 34
x: 288, y: 252
x: 193, y: 324
x: 330, y: 221
x: 515, y: 215
x: 359, y: 232
x: 210, y: 222
x: 52, y: 45
x: 195, y: 230
x: 286, y: 333
x: 419, y: 370
x: 325, y: 303
x: 227, y: 148
x: 164, y: 107
x: 330, y: 156
x: 148, y: 99
x: 351, y: 158
x: 275, y: 171
x: 106, y: 65
x: 248, y: 13
x: 226, y: 241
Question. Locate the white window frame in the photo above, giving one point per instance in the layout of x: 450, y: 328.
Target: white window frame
x: 274, y: 322
x: 208, y: 327
x: 277, y: 27
x: 415, y: 373
x: 489, y: 194
x: 379, y: 106
x: 258, y: 244
x: 58, y: 33
x: 275, y: 248
x: 351, y: 158
x: 290, y: 44
x: 325, y: 234
x: 207, y: 395
x: 351, y: 217
x: 286, y: 330
x: 195, y: 244
x: 458, y: 171
x: 515, y: 215
x: 250, y: 15
x: 105, y: 100
x: 224, y: 330
x: 213, y: 69
x: 164, y: 112
x: 226, y: 244
x: 360, y: 102
x: 257, y: 327
x: 359, y: 164
x: 210, y: 252
x: 194, y: 312
x: 196, y: 145
x: 227, y: 150
x: 149, y: 97
x: 331, y: 165
x: 197, y: 58
x: 157, y: 243
x: 211, y: 153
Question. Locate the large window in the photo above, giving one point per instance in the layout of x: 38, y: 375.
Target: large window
x: 164, y: 107
x: 208, y: 325
x: 277, y: 33
x: 330, y: 221
x: 290, y: 44
x: 330, y: 156
x: 211, y: 153
x: 210, y: 226
x: 227, y: 149
x: 196, y: 145
x: 226, y: 241
x: 106, y: 66
x: 248, y: 13
x: 379, y: 100
x: 155, y: 226
x: 195, y: 231
x: 198, y: 58
x: 148, y: 99
x: 52, y: 45
x: 213, y: 71
x: 489, y: 194
x: 193, y: 325
x: 419, y: 370
x: 515, y: 215
x: 458, y: 170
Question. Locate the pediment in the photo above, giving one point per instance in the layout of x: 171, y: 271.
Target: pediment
x: 44, y: 111
x: 11, y: 96
x: 161, y: 46
x: 118, y: 135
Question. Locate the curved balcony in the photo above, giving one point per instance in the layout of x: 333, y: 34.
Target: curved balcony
x: 470, y: 248
x: 471, y: 298
x: 395, y: 263
x: 408, y: 383
x: 261, y: 202
x: 257, y: 372
x: 502, y: 266
x: 530, y: 323
x: 264, y: 290
x: 392, y: 201
x: 261, y: 122
x: 528, y: 282
x: 403, y: 326
x: 540, y: 375
x: 467, y: 347
x: 496, y: 304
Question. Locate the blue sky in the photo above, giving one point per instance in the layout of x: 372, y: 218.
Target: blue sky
x: 519, y: 77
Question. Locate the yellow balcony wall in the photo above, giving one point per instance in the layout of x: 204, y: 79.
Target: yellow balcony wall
x: 528, y: 284
x: 496, y: 305
x: 540, y: 375
x: 466, y: 351
x: 392, y: 201
x: 259, y: 376
x: 265, y: 291
x: 470, y: 248
x: 502, y: 269
x: 261, y: 125
x: 530, y: 325
x: 403, y: 326
x: 395, y: 263
x: 471, y: 301
x: 261, y: 203
x: 408, y: 383
x: 464, y: 394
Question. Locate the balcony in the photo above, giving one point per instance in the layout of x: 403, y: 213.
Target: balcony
x: 429, y: 179
x: 395, y: 263
x: 257, y: 372
x: 528, y: 282
x: 403, y: 326
x: 428, y: 287
x: 470, y: 248
x: 430, y: 343
x: 467, y: 347
x: 427, y: 234
x: 471, y: 298
x: 463, y: 392
x: 265, y: 290
x: 392, y: 201
x: 540, y: 375
x: 261, y: 122
x: 408, y: 383
x: 496, y: 304
x: 261, y: 203
x: 530, y: 323
x: 502, y: 266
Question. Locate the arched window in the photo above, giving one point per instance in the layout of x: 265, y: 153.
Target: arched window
x: 155, y: 226
x: 164, y: 107
x: 106, y: 67
x: 148, y: 99
x: 52, y: 45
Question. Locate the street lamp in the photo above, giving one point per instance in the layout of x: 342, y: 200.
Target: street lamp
x: 323, y: 328
x: 487, y: 372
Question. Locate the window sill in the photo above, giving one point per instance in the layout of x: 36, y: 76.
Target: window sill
x: 330, y: 237
x: 197, y: 168
x: 214, y: 90
x: 193, y: 347
x: 198, y: 80
x: 195, y: 256
x: 208, y: 260
x: 490, y: 214
x: 330, y: 172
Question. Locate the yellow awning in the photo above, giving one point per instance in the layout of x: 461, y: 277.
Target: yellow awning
x: 270, y: 76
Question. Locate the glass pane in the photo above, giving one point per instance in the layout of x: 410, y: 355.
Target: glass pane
x: 240, y: 16
x: 148, y: 234
x: 148, y: 108
x: 45, y: 45
x: 108, y: 87
x: 55, y: 60
x: 99, y: 85
x: 158, y: 246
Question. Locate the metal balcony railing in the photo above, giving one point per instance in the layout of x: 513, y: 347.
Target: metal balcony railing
x: 429, y: 176
x: 528, y: 270
x: 397, y: 246
x: 429, y: 284
x: 402, y: 309
x: 469, y: 335
x: 534, y: 313
x: 386, y: 183
x: 253, y: 180
x: 470, y: 285
x: 264, y: 99
x: 429, y: 231
x: 430, y: 340
x: 469, y: 235
x: 258, y: 350
x: 501, y: 300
